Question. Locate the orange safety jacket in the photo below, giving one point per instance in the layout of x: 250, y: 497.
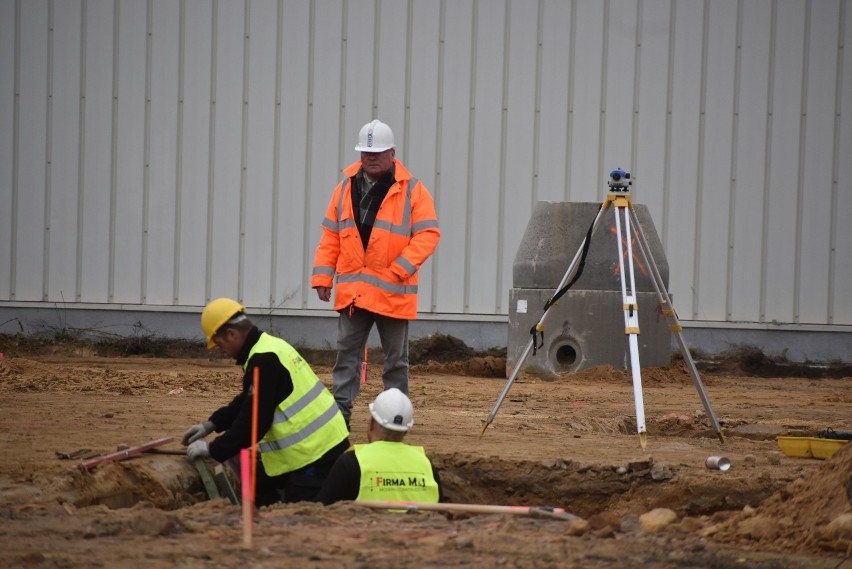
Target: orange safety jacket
x: 382, y: 279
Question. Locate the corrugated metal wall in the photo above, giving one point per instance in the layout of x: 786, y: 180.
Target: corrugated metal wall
x: 161, y: 152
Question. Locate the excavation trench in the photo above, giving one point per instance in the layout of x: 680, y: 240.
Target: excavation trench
x: 171, y: 483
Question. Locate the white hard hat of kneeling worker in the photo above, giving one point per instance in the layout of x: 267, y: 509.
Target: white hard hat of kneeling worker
x: 392, y: 410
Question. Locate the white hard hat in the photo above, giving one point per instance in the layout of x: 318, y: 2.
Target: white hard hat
x: 375, y: 136
x: 392, y: 410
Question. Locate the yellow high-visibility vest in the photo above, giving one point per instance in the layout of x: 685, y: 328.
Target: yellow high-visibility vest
x: 395, y: 471
x: 307, y: 424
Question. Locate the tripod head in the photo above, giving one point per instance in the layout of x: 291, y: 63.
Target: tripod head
x: 619, y: 180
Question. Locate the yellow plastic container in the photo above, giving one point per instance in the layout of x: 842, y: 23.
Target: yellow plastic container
x: 809, y: 447
x: 825, y: 448
x: 798, y: 447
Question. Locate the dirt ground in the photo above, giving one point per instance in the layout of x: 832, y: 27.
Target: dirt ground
x: 569, y: 443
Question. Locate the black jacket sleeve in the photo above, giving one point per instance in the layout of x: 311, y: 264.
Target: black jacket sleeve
x: 274, y: 385
x: 223, y: 418
x: 343, y: 481
x: 438, y: 482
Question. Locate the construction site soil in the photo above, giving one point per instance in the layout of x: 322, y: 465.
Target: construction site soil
x: 568, y: 442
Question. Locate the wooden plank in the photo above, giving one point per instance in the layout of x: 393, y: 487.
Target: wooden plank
x: 126, y: 453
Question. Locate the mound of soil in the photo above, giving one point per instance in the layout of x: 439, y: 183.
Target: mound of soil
x: 813, y: 512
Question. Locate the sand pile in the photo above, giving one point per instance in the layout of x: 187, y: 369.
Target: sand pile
x: 811, y: 513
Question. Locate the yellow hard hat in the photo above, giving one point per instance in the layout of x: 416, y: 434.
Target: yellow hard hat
x: 216, y: 314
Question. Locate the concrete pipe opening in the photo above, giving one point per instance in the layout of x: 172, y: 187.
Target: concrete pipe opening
x: 565, y: 355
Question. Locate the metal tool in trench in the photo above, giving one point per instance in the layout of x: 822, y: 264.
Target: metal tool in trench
x: 125, y: 453
x: 216, y: 483
x: 532, y: 511
x: 619, y: 201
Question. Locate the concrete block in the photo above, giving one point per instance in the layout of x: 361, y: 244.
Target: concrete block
x: 586, y: 328
x: 554, y: 235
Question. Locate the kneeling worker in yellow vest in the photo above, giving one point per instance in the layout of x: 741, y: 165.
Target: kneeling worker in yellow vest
x: 300, y: 429
x: 386, y: 469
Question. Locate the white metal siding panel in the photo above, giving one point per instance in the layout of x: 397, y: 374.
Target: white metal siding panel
x: 584, y: 175
x: 678, y: 227
x: 483, y: 183
x: 517, y: 188
x: 224, y: 231
x: 32, y: 143
x: 359, y: 97
x: 162, y: 204
x: 714, y: 189
x: 8, y: 35
x: 97, y: 151
x: 64, y: 167
x: 390, y: 74
x: 620, y: 75
x: 324, y: 126
x: 781, y: 224
x: 295, y: 243
x: 734, y: 119
x: 259, y: 153
x: 751, y: 154
x: 744, y: 271
x: 649, y: 170
x: 817, y: 176
x: 130, y: 131
x: 842, y: 198
x: 453, y: 162
x: 193, y: 178
x: 556, y: 57
x: 420, y: 145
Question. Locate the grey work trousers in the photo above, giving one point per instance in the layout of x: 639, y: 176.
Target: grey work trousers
x: 352, y: 333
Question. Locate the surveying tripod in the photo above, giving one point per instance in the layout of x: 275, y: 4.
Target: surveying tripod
x: 619, y: 200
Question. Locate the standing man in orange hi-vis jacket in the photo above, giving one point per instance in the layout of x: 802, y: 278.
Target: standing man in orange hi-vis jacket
x: 379, y: 228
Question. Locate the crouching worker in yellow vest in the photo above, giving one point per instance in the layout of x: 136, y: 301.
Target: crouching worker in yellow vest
x: 386, y: 469
x: 300, y: 428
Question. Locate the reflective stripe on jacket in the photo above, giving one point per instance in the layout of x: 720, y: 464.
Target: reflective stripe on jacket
x: 382, y: 279
x: 307, y: 424
x: 395, y: 471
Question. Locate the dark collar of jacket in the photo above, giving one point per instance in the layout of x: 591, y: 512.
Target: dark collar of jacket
x: 251, y: 339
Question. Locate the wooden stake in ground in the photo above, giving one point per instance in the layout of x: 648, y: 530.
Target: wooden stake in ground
x: 248, y: 466
x: 254, y: 396
x: 245, y: 475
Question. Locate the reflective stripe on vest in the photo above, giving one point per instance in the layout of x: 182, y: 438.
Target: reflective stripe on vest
x: 377, y: 282
x: 395, y: 471
x: 307, y: 424
x: 405, y: 229
x: 295, y: 438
